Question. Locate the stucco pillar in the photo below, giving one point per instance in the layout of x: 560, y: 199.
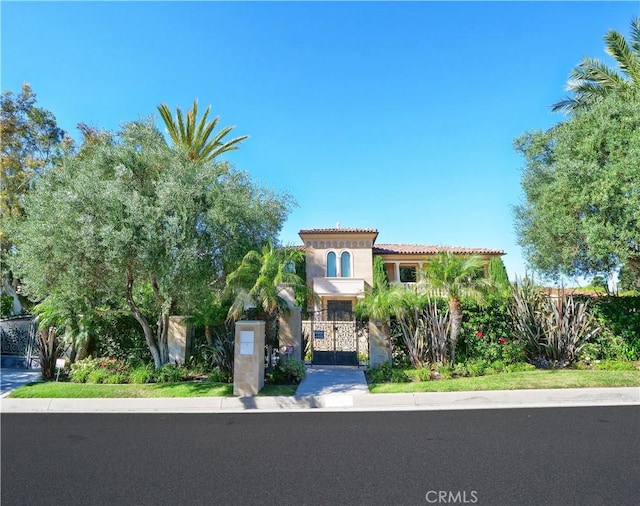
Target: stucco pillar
x: 379, y: 349
x: 290, y: 327
x: 248, y: 360
x: 396, y: 272
x: 178, y: 339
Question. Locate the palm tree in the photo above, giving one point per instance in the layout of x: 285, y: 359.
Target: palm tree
x: 260, y: 282
x: 454, y: 277
x: 195, y: 137
x: 592, y: 80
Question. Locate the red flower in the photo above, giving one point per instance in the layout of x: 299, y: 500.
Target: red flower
x: 103, y: 364
x: 502, y: 340
x: 479, y: 335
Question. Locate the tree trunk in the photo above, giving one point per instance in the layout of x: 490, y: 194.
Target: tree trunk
x: 633, y: 262
x: 162, y: 337
x: 207, y: 335
x: 146, y: 328
x: 455, y: 309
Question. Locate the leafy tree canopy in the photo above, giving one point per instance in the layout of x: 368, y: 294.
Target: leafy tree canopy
x: 31, y: 141
x: 581, y: 184
x: 130, y: 221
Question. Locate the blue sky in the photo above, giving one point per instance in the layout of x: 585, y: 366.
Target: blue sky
x: 397, y: 116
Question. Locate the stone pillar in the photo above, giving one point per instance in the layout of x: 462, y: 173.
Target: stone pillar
x: 178, y: 339
x: 290, y: 334
x: 379, y: 349
x: 290, y: 327
x: 248, y: 360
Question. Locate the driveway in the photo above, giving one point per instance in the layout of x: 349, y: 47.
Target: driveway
x: 10, y: 379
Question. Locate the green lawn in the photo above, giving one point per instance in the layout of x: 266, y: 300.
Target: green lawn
x: 506, y: 381
x: 53, y: 390
x: 518, y: 381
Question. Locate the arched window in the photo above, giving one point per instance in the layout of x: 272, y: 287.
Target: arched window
x: 345, y: 265
x: 331, y: 265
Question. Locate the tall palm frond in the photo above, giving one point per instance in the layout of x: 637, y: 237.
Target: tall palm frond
x: 195, y: 136
x: 593, y: 80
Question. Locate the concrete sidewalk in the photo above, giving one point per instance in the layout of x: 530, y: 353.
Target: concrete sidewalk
x: 499, y: 399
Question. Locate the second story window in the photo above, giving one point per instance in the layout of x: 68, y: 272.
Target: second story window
x: 338, y: 267
x: 331, y: 265
x: 345, y: 265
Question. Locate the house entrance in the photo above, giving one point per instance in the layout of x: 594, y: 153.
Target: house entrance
x: 336, y: 337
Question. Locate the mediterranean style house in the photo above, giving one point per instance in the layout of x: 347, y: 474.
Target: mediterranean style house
x: 339, y: 264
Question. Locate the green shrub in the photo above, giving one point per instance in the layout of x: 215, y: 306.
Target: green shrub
x: 116, y: 378
x: 288, y: 372
x: 98, y: 375
x: 144, y: 373
x: 219, y: 375
x: 460, y: 369
x: 614, y: 365
x: 423, y: 374
x: 482, y: 327
x: 445, y: 371
x: 379, y: 374
x: 477, y: 367
x: 399, y: 376
x: 6, y: 306
x: 80, y: 370
x: 169, y: 373
x: 520, y: 367
x: 497, y: 365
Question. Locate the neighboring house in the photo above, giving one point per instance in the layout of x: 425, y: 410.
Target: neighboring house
x: 339, y: 263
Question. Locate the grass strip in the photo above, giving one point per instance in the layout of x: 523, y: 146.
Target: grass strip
x: 517, y: 381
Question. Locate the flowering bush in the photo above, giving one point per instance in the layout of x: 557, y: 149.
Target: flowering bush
x: 99, y: 370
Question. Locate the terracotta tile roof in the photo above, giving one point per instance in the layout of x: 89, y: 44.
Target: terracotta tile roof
x: 418, y: 249
x: 339, y: 231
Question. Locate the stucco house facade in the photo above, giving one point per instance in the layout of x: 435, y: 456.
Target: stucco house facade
x: 339, y: 264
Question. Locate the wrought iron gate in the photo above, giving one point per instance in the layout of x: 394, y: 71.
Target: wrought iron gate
x: 336, y: 339
x: 18, y: 342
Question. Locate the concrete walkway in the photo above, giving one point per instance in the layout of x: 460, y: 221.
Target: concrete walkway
x: 325, y: 380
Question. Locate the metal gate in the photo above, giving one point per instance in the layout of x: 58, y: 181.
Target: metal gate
x: 336, y: 339
x: 18, y: 345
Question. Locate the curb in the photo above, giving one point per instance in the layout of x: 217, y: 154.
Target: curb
x: 423, y: 401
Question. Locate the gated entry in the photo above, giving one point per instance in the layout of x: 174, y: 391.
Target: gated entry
x: 336, y: 338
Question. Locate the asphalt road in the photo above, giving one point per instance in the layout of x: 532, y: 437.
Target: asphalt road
x: 563, y: 456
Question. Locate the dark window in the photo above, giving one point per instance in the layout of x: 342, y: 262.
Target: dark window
x: 339, y: 310
x: 408, y: 274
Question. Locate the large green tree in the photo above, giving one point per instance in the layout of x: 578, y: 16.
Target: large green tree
x: 130, y: 221
x: 592, y: 80
x: 581, y: 183
x: 31, y: 142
